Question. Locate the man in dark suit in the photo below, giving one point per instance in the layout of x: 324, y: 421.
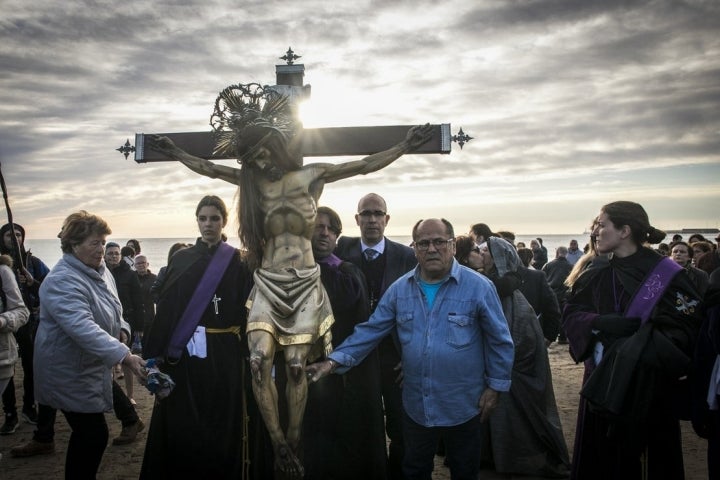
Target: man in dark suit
x: 382, y: 261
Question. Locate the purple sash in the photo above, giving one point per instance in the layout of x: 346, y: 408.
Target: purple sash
x: 652, y: 289
x: 200, y: 300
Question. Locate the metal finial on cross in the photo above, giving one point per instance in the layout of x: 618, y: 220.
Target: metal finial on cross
x: 290, y: 56
x: 126, y: 149
x: 461, y: 138
x: 313, y: 142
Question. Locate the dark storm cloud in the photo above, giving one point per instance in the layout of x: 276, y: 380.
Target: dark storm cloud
x: 547, y: 88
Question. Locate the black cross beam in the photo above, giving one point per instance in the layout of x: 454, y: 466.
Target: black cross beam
x: 316, y: 142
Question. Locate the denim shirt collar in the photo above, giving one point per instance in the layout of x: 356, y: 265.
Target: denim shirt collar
x: 454, y: 273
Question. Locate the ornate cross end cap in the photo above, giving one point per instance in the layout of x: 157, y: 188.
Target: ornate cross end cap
x: 126, y: 149
x: 290, y: 56
x: 461, y: 138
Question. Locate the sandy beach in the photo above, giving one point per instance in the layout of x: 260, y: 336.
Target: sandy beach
x: 123, y: 462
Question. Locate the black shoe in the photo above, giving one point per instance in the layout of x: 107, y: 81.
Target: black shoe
x: 11, y: 422
x: 30, y: 415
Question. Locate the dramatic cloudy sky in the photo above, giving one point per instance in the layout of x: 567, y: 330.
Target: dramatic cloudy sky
x: 572, y: 104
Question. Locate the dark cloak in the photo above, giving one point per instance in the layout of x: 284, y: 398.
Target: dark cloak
x: 524, y: 434
x: 197, y: 431
x: 610, y: 447
x: 706, y: 422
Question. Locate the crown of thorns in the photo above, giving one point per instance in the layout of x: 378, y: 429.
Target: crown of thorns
x: 240, y: 106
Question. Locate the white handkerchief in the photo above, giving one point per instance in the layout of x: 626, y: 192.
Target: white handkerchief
x: 197, y: 346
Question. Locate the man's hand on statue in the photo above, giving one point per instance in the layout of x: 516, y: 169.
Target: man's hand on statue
x: 316, y: 371
x: 488, y: 402
x: 418, y: 136
x: 401, y: 376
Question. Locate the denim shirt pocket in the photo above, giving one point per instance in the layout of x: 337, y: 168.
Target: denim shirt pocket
x: 460, y: 330
x: 405, y: 327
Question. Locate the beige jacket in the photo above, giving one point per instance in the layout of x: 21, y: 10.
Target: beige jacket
x: 14, y: 315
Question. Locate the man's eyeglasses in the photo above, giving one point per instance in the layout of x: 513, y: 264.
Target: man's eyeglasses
x: 372, y: 213
x: 438, y: 243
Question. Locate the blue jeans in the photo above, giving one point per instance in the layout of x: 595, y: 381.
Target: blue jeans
x: 462, y: 449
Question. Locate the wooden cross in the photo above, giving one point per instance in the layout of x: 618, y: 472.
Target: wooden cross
x: 316, y: 142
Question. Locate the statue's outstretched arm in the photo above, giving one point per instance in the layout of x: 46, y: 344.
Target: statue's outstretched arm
x: 196, y: 164
x: 415, y: 138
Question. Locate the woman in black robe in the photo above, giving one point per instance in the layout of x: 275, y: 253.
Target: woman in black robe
x: 632, y: 371
x: 197, y: 430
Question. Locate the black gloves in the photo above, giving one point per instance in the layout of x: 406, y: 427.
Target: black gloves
x: 614, y: 325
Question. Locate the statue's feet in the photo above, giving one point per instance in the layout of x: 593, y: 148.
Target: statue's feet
x: 287, y: 463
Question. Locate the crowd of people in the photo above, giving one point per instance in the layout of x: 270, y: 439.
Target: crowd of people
x: 387, y: 354
x: 403, y: 376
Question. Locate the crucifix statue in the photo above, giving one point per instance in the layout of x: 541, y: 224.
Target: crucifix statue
x: 278, y: 199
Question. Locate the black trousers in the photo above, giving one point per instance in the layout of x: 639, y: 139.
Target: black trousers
x: 462, y: 449
x: 124, y: 411
x: 394, y: 410
x: 87, y: 444
x: 24, y: 337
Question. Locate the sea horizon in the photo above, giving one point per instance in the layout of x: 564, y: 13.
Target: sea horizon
x: 156, y: 248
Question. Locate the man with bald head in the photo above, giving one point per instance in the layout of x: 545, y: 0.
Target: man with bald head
x: 456, y: 348
x: 382, y: 261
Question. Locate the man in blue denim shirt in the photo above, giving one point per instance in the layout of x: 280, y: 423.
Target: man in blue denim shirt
x: 456, y: 349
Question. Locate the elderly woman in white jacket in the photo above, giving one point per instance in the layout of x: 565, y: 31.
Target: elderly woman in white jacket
x: 13, y: 315
x: 77, y: 342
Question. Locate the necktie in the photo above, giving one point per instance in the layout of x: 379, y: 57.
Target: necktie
x: 371, y: 254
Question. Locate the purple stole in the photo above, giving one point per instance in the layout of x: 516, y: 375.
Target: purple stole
x: 652, y: 289
x: 198, y: 303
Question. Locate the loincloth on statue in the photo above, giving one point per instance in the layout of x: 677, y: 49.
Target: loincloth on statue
x: 293, y: 306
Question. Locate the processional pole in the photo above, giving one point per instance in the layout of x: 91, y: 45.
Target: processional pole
x: 15, y: 242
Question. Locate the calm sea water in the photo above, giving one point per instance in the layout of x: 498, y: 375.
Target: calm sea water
x: 156, y: 249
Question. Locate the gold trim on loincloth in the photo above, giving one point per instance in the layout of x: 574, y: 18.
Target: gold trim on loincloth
x: 298, y: 339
